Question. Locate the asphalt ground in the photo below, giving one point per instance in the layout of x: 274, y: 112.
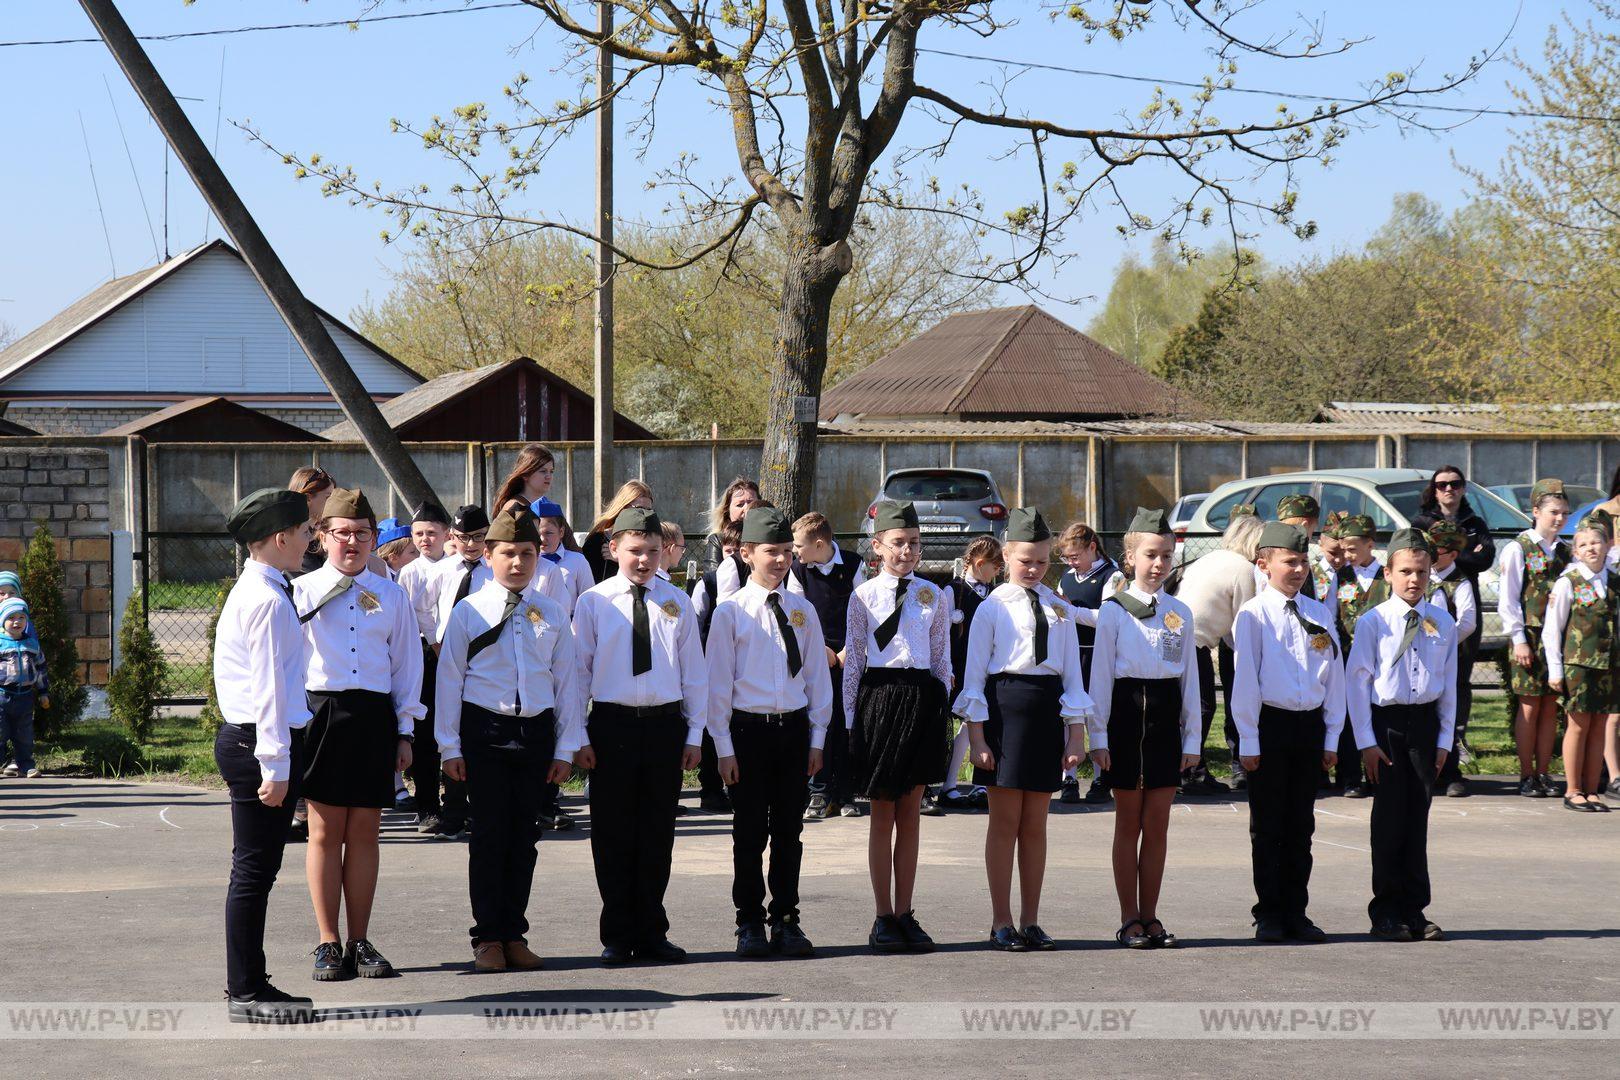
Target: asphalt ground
x: 112, y: 893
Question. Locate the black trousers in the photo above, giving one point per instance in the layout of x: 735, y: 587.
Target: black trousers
x: 425, y: 764
x: 634, y: 789
x: 1206, y: 704
x: 1452, y: 770
x: 767, y: 804
x: 258, y: 837
x: 505, y: 785
x: 834, y: 781
x: 1282, y: 810
x: 1400, y: 811
x: 709, y: 769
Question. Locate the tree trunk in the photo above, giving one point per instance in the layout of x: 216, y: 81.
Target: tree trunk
x: 788, y: 461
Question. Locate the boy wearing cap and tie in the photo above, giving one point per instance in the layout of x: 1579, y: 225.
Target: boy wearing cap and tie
x: 459, y: 577
x: 1401, y: 692
x: 1288, y: 707
x: 1358, y: 587
x: 1450, y: 587
x: 770, y: 701
x: 508, y: 723
x: 259, y: 666
x: 641, y: 665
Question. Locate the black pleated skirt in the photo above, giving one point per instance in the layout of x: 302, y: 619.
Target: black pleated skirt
x: 350, y: 748
x: 1024, y: 731
x: 1144, y: 734
x: 899, y: 738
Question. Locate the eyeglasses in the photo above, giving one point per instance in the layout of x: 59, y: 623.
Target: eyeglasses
x: 1450, y: 485
x: 352, y: 536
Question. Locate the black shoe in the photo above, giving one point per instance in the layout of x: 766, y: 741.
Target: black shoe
x: 1098, y: 794
x: 1456, y: 790
x: 1424, y: 930
x: 1240, y: 783
x: 751, y: 941
x: 429, y: 824
x: 1270, y: 930
x: 267, y: 1005
x: 1191, y: 785
x: 1614, y: 788
x: 787, y: 939
x: 404, y: 802
x: 367, y: 962
x: 451, y: 828
x: 917, y: 938
x: 298, y: 832
x: 717, y: 801
x: 330, y: 963
x: 952, y: 798
x: 615, y: 955
x: 1390, y: 930
x: 1548, y: 785
x: 816, y: 809
x: 663, y: 950
x: 1529, y: 788
x: 1355, y: 791
x: 1071, y: 793
x: 930, y: 806
x: 1037, y: 939
x: 1301, y: 929
x: 1007, y: 939
x: 557, y: 821
x: 888, y: 936
x: 1160, y: 938
x: 978, y: 797
x: 1212, y: 786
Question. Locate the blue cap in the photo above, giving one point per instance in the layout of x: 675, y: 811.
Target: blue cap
x: 9, y: 577
x: 12, y: 605
x: 391, y: 529
x: 545, y: 508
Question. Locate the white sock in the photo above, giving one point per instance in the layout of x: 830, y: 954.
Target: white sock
x: 953, y: 764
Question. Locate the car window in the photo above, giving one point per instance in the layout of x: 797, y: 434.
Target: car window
x: 943, y: 486
x: 1336, y: 497
x: 1220, y: 512
x: 1265, y: 502
x: 1407, y: 496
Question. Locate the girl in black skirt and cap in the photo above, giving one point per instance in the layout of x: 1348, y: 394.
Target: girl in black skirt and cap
x: 897, y: 683
x: 1144, y: 686
x: 365, y: 691
x: 1025, y: 704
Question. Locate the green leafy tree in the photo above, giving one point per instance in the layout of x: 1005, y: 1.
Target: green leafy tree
x: 42, y: 581
x: 134, y: 689
x: 210, y: 715
x: 1150, y: 300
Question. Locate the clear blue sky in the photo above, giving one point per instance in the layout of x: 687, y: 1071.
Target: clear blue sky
x: 334, y: 91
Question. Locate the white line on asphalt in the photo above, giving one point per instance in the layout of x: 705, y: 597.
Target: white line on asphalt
x: 1347, y: 847
x: 164, y: 815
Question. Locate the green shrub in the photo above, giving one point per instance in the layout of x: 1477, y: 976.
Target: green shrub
x: 210, y: 715
x: 134, y: 689
x: 41, y: 575
x: 112, y: 754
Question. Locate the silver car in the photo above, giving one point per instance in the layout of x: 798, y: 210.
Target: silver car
x: 953, y: 506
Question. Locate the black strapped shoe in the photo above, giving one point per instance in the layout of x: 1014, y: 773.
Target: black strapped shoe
x: 367, y: 962
x: 267, y: 1005
x: 330, y: 963
x: 751, y: 942
x: 787, y: 939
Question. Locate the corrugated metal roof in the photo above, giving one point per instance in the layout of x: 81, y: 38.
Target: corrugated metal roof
x: 948, y: 428
x: 1424, y: 417
x: 1014, y: 361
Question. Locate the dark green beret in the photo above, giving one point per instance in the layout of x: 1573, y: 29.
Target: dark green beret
x: 265, y: 513
x: 1025, y: 525
x: 432, y: 512
x: 348, y: 503
x: 1150, y: 521
x: 469, y: 519
x: 514, y: 527
x: 894, y: 515
x: 1278, y: 534
x: 766, y: 525
x: 1356, y: 525
x: 638, y: 519
x: 1551, y: 486
x: 1407, y: 540
x: 1298, y: 506
x: 1448, y: 535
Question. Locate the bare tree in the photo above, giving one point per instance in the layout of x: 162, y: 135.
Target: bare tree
x: 813, y: 95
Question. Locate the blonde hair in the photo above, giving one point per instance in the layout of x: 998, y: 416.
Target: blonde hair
x: 816, y: 524
x: 722, y: 509
x: 1076, y: 535
x: 1242, y: 535
x: 393, y: 547
x: 629, y: 493
x: 1134, y: 540
x: 672, y: 532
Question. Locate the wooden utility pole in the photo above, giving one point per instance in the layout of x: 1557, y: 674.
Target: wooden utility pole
x: 602, y: 459
x: 295, y: 309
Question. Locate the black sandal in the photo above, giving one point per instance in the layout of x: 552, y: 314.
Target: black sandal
x: 1133, y: 941
x: 1164, y: 939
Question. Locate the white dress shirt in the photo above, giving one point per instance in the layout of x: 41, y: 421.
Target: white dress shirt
x: 1466, y: 606
x: 825, y: 568
x: 530, y: 668
x: 415, y: 579
x: 1132, y: 648
x: 1558, y: 607
x: 1001, y: 640
x: 575, y: 577
x: 923, y: 639
x: 1427, y: 672
x: 748, y: 669
x: 259, y: 662
x: 1275, y: 662
x: 361, y: 644
x: 603, y: 630
x: 1510, y: 591
x: 548, y: 581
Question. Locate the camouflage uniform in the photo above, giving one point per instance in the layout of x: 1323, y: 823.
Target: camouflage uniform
x: 1539, y: 574
x: 1589, y: 675
x: 1354, y: 601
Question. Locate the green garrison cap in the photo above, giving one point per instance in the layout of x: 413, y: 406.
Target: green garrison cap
x: 894, y: 515
x: 1277, y: 534
x: 265, y: 513
x: 1408, y: 540
x: 349, y: 503
x: 766, y: 525
x: 1298, y: 506
x: 637, y: 519
x: 1356, y: 525
x: 1549, y: 486
x: 1025, y: 525
x: 1448, y: 535
x: 513, y: 527
x: 1150, y: 521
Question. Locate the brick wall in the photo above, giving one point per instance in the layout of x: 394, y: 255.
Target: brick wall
x: 79, y: 420
x: 316, y: 420
x: 68, y: 488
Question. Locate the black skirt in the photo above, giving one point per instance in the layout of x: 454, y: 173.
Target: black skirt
x: 350, y: 749
x: 899, y: 737
x: 1144, y: 734
x: 1024, y: 731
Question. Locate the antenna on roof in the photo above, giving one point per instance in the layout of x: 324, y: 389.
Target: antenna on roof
x: 132, y: 170
x: 97, y: 189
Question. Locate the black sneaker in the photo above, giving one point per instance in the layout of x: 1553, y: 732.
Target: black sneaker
x: 751, y: 941
x: 1301, y: 929
x: 1098, y: 794
x: 451, y: 828
x: 1529, y: 788
x: 888, y: 936
x: 916, y: 937
x: 816, y: 808
x: 429, y: 824
x: 787, y: 939
x: 267, y: 1005
x: 1424, y: 930
x: 330, y: 963
x: 1390, y: 930
x: 1071, y: 792
x: 367, y: 962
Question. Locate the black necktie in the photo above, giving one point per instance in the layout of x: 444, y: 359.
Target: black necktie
x: 1408, y: 636
x: 789, y: 640
x: 640, y: 633
x: 286, y: 587
x: 342, y: 586
x: 466, y: 579
x: 1040, y: 625
x: 889, y: 627
x: 492, y: 635
x: 1310, y: 628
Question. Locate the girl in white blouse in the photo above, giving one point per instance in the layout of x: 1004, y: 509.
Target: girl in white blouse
x: 1146, y: 729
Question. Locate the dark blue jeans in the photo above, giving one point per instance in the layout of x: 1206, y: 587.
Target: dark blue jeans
x: 17, y: 727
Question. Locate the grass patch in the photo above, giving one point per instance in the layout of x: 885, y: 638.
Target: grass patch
x: 180, y: 749
x: 181, y: 595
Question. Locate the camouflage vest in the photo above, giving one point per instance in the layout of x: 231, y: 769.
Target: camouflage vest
x: 1448, y: 587
x: 1539, y: 574
x: 1322, y: 575
x: 1589, y: 633
x: 1354, y: 601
